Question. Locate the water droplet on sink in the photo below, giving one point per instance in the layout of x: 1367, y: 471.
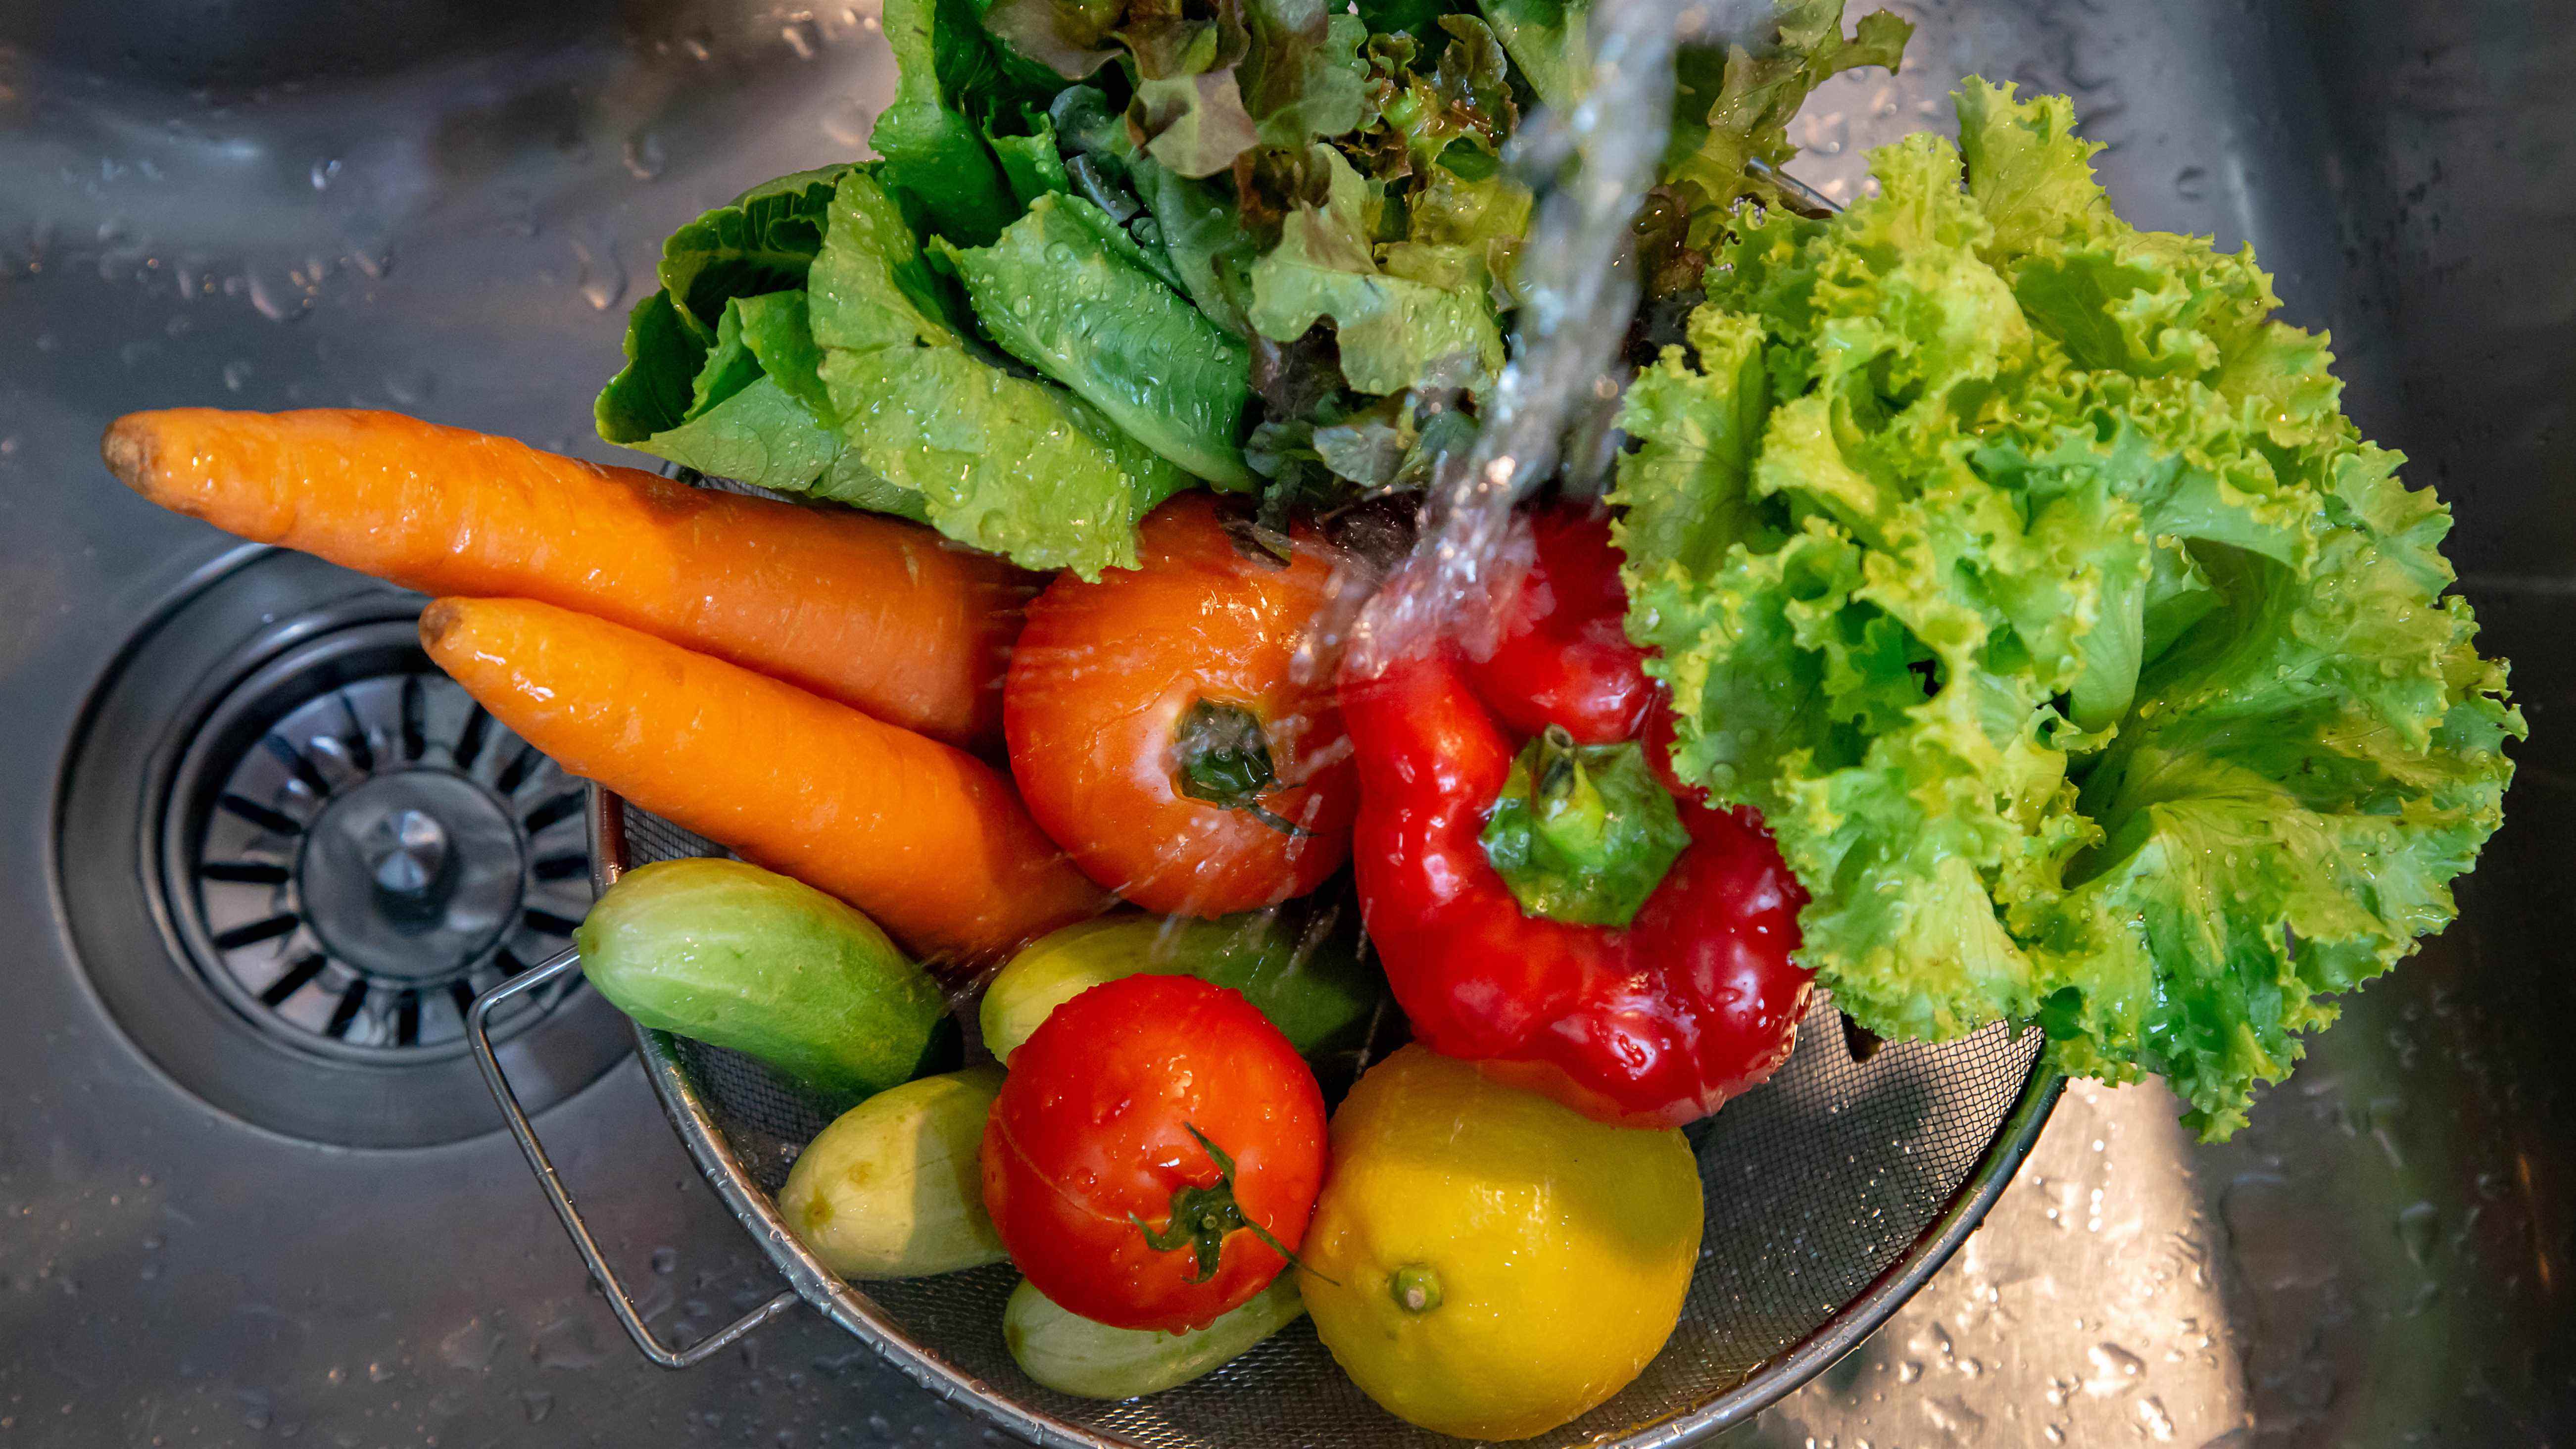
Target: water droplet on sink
x: 324, y: 173
x: 566, y: 1344
x: 471, y: 1346
x: 847, y: 123
x: 2191, y: 183
x: 2151, y: 1414
x: 803, y: 37
x: 603, y: 277
x: 666, y: 1260
x: 1953, y: 1417
x: 273, y: 301
x: 236, y: 373
x: 2417, y: 1226
x: 644, y: 156
x: 411, y: 389
x: 2115, y: 1369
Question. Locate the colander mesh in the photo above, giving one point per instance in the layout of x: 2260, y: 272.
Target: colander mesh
x: 1816, y: 1183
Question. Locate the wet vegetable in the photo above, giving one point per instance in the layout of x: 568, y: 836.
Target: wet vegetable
x: 736, y: 956
x: 1073, y: 1355
x: 1160, y: 728
x: 1066, y: 291
x: 1550, y: 912
x: 893, y: 1188
x: 875, y: 614
x: 2021, y: 568
x: 929, y: 840
x: 1154, y: 1153
x: 1311, y: 984
x: 1484, y: 1262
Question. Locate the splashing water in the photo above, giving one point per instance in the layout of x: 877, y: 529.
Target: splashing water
x: 1579, y: 291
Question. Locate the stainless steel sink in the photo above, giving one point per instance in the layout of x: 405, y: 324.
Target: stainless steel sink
x: 445, y: 209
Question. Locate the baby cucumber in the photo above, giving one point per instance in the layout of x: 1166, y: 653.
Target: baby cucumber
x: 1312, y: 985
x: 892, y: 1189
x: 740, y: 957
x: 1074, y: 1355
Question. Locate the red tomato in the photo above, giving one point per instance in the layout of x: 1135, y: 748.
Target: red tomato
x: 1147, y: 1128
x: 1155, y: 730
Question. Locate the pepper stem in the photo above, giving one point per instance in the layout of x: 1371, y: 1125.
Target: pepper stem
x: 1582, y: 833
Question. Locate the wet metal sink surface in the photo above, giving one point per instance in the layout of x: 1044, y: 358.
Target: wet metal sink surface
x: 446, y: 209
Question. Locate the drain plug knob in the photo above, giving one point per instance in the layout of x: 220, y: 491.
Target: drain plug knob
x: 406, y: 850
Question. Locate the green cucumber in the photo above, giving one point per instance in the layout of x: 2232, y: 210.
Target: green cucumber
x: 894, y: 1187
x: 736, y: 956
x: 1073, y: 1355
x: 1312, y: 985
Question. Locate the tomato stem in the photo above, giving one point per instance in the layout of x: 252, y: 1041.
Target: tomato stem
x: 1223, y: 758
x: 1203, y: 1217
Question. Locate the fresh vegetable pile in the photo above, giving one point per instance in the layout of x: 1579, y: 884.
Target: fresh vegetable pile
x: 1114, y: 249
x: 1994, y: 619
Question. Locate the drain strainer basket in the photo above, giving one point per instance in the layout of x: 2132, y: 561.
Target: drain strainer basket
x: 1833, y: 1192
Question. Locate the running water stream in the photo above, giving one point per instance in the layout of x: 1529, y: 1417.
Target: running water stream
x: 1593, y: 163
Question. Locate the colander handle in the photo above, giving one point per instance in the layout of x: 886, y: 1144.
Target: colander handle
x: 479, y: 1034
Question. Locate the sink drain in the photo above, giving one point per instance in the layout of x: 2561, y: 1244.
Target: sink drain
x: 292, y: 853
x: 355, y: 849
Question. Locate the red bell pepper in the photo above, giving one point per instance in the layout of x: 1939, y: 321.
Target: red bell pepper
x: 1651, y: 1023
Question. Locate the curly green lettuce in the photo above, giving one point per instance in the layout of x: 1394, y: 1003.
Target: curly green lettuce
x: 1732, y: 105
x: 2091, y: 669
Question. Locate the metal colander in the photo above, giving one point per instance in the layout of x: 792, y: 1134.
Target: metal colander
x: 1833, y: 1192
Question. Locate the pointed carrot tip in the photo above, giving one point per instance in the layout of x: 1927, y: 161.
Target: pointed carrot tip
x: 438, y: 621
x: 128, y: 449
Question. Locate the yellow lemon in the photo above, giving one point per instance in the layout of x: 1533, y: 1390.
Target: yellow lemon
x: 1488, y: 1263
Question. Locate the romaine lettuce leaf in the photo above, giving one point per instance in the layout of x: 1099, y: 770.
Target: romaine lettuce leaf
x: 756, y: 413
x: 655, y: 388
x: 1006, y: 463
x: 1065, y: 291
x: 1032, y: 165
x: 1204, y: 237
x: 841, y: 365
x: 1003, y: 463
x: 762, y: 241
x: 953, y: 82
x: 762, y: 435
x: 2088, y: 665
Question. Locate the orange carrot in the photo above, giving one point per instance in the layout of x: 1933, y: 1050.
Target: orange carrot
x: 874, y: 612
x: 926, y: 839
